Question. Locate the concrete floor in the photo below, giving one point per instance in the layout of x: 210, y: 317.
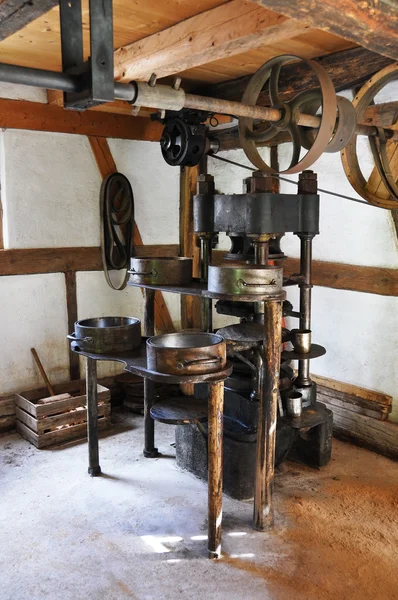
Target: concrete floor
x: 139, y: 531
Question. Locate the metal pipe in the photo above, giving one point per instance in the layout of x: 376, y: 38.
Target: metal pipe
x: 124, y: 91
x: 52, y: 80
x: 149, y: 312
x: 206, y: 303
x: 149, y: 424
x: 163, y: 97
x: 92, y: 417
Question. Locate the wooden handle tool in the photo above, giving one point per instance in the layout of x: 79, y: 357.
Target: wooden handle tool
x: 43, y: 373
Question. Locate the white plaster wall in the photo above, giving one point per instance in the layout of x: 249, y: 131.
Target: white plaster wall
x: 50, y: 190
x: 33, y: 314
x: 156, y: 189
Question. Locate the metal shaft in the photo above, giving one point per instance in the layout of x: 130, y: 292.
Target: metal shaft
x: 215, y: 463
x: 263, y: 513
x: 205, y: 303
x: 149, y: 424
x: 305, y: 303
x: 92, y: 417
x: 162, y: 97
x: 149, y: 312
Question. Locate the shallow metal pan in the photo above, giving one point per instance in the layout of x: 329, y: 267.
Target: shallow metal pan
x: 174, y: 270
x: 186, y: 353
x: 246, y: 279
x: 104, y: 335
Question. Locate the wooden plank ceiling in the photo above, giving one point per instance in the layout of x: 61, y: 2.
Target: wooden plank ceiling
x: 38, y: 43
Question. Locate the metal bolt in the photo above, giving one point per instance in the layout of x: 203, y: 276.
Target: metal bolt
x: 152, y: 80
x: 177, y: 83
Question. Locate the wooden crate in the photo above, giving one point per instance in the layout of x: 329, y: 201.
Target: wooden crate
x: 7, y: 413
x: 58, y: 420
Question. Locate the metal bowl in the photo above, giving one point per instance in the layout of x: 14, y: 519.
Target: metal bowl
x: 186, y: 353
x: 104, y: 335
x: 167, y: 270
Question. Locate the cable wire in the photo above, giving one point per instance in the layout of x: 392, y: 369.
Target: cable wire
x: 236, y: 164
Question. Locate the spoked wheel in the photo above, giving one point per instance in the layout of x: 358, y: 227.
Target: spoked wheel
x: 328, y: 132
x: 381, y: 187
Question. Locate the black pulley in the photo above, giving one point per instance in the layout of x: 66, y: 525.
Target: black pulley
x: 183, y: 143
x: 117, y: 225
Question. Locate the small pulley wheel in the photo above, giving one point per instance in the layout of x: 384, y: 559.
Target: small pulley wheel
x: 380, y: 189
x: 182, y: 143
x: 269, y: 72
x: 345, y: 124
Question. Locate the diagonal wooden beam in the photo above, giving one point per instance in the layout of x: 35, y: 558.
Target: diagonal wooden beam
x: 106, y: 166
x: 15, y: 14
x: 233, y: 28
x: 371, y: 24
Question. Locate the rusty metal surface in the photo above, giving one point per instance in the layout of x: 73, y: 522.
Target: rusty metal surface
x: 107, y: 334
x: 173, y: 270
x: 245, y: 279
x: 136, y: 362
x: 269, y: 72
x: 349, y: 155
x: 315, y: 352
x: 180, y: 411
x: 310, y: 417
x: 186, y: 353
x: 196, y: 288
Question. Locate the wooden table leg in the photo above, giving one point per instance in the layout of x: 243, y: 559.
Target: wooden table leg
x: 263, y: 510
x: 92, y: 417
x: 215, y: 463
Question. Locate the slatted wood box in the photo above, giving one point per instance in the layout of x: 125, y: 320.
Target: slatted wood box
x: 7, y: 413
x: 62, y: 419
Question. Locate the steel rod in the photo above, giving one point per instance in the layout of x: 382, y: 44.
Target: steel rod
x: 205, y: 303
x: 263, y: 512
x: 67, y: 82
x: 149, y: 312
x: 215, y: 465
x: 92, y: 417
x: 52, y: 80
x: 149, y: 424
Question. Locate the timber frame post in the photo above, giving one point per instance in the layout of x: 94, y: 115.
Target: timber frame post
x: 190, y: 305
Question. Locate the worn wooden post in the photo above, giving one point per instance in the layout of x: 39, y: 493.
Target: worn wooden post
x: 215, y: 462
x: 263, y: 512
x: 92, y: 417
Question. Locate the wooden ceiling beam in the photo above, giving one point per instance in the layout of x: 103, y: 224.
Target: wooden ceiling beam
x: 371, y: 24
x: 233, y: 28
x: 20, y: 114
x: 15, y: 14
x: 347, y: 69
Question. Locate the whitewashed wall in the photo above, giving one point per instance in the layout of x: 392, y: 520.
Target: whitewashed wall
x: 50, y: 197
x: 360, y: 331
